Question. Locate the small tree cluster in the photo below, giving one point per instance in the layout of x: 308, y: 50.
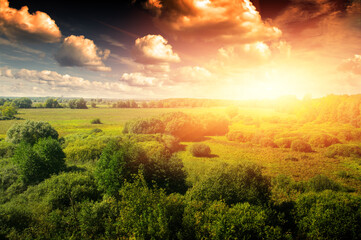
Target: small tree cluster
x: 77, y: 104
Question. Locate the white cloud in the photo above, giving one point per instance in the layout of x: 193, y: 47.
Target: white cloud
x: 139, y: 80
x: 21, y: 25
x: 191, y: 74
x: 55, y: 80
x: 82, y: 52
x: 154, y: 49
x: 352, y: 65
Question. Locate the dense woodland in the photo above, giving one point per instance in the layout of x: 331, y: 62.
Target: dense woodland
x: 94, y: 185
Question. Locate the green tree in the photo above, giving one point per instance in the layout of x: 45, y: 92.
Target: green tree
x: 23, y: 102
x: 52, y: 103
x: 30, y: 132
x: 38, y: 162
x: 8, y: 111
x: 233, y: 184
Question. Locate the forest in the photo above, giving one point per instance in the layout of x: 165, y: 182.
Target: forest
x: 181, y: 169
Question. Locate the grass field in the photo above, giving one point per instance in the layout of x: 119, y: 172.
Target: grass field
x: 301, y: 166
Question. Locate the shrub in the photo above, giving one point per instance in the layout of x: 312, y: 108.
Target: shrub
x: 6, y: 149
x: 144, y: 126
x: 328, y: 215
x: 96, y: 121
x: 232, y: 111
x: 284, y: 142
x: 268, y: 142
x: 200, y: 150
x: 300, y: 146
x: 322, y: 140
x: 219, y: 221
x: 343, y: 150
x: 146, y: 213
x: 51, y: 103
x: 120, y: 161
x: 233, y: 184
x: 38, y: 162
x: 214, y: 125
x: 321, y: 183
x: 30, y: 132
x: 77, y: 104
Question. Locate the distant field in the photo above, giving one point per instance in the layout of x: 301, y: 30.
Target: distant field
x: 67, y: 121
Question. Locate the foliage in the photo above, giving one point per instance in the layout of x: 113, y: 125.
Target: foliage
x: 200, y: 150
x: 300, y: 146
x: 77, y: 104
x: 233, y: 184
x: 321, y: 183
x: 323, y: 140
x: 284, y: 142
x: 96, y: 121
x: 6, y: 149
x: 81, y: 148
x: 30, y: 132
x: 120, y: 161
x: 125, y: 104
x: 328, y: 215
x: 51, y: 103
x: 220, y: 221
x: 23, y: 102
x: 343, y: 150
x: 40, y: 161
x: 7, y: 111
x: 268, y: 142
x: 144, y: 126
x: 148, y: 214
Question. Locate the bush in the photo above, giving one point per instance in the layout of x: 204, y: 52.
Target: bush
x: 30, y: 132
x: 200, y: 150
x: 38, y: 162
x: 343, y: 150
x: 322, y: 140
x: 183, y: 126
x: 301, y: 146
x: 144, y: 126
x: 51, y: 103
x: 146, y: 213
x: 6, y: 149
x: 284, y: 142
x: 77, y: 104
x: 96, y: 121
x: 214, y: 125
x: 321, y: 183
x: 219, y: 221
x: 328, y: 215
x: 233, y: 184
x: 268, y: 142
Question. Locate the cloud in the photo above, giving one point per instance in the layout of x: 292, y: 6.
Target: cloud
x: 55, y: 81
x: 82, y: 52
x: 153, y: 49
x: 352, y: 65
x: 20, y: 47
x: 191, y: 74
x: 139, y: 80
x: 112, y: 41
x: 212, y: 21
x: 21, y: 25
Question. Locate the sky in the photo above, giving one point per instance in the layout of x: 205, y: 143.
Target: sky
x: 153, y: 49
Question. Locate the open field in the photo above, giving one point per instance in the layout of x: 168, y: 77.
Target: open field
x: 274, y: 161
x: 67, y: 121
